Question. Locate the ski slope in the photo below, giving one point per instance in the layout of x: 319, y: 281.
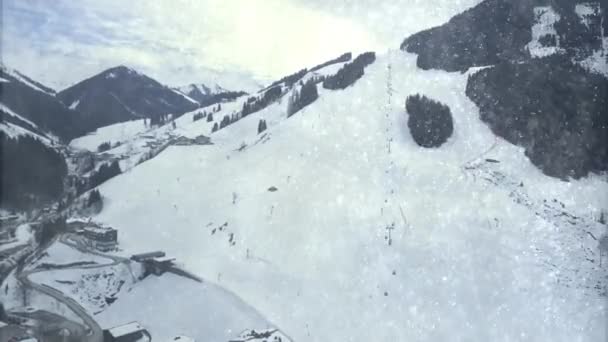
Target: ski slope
x: 479, y: 251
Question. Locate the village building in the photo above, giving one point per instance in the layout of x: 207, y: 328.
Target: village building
x: 130, y: 332
x: 102, y: 238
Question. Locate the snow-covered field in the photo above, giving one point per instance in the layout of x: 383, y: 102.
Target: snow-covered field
x: 171, y: 306
x: 478, y: 252
x: 59, y: 254
x: 116, y: 133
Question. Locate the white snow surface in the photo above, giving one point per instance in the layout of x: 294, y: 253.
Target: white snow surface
x: 480, y: 251
x: 118, y: 132
x: 59, y: 254
x: 74, y: 104
x: 545, y: 19
x: 205, y: 312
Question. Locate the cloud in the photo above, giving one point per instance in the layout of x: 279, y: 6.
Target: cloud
x: 177, y: 41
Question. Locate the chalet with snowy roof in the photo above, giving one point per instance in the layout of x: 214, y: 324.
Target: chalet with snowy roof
x: 155, y: 263
x: 102, y: 238
x: 130, y: 332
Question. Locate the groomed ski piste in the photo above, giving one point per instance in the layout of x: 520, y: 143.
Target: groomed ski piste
x: 479, y: 251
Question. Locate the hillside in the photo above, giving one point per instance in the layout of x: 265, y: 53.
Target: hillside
x: 545, y: 79
x: 336, y: 211
x: 121, y: 94
x: 34, y: 108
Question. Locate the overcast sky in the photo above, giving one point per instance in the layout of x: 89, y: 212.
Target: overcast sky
x: 61, y: 42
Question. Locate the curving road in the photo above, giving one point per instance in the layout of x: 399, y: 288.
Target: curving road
x: 95, y: 333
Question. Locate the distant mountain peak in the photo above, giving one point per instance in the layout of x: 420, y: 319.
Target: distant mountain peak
x: 120, y: 94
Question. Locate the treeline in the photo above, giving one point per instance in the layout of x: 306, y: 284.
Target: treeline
x: 105, y: 172
x: 32, y: 172
x: 343, y: 58
x: 290, y: 80
x: 226, y: 120
x: 302, y: 97
x: 350, y: 72
x: 254, y: 103
x: 203, y: 114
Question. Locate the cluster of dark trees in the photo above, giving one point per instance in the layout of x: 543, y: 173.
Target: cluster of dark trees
x: 226, y: 120
x: 302, y: 97
x: 49, y: 229
x: 94, y: 198
x: 202, y: 115
x: 290, y: 80
x: 198, y: 116
x: 105, y: 172
x: 350, y: 72
x: 343, y: 58
x: 554, y: 109
x: 104, y: 146
x: 430, y: 122
x: 159, y: 119
x: 498, y: 31
x: 254, y: 103
x: 262, y: 126
x: 32, y: 172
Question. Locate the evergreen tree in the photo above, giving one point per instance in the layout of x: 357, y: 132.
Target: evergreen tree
x: 94, y: 197
x: 215, y: 128
x: 301, y: 98
x: 350, y: 72
x: 104, y: 147
x: 430, y: 122
x: 32, y: 172
x: 210, y: 117
x: 105, y: 172
x: 261, y: 126
x: 225, y: 121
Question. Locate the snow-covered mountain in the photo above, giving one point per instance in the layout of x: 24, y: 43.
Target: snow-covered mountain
x: 29, y: 107
x: 217, y: 81
x: 121, y: 94
x: 206, y: 96
x: 201, y: 91
x: 317, y: 206
x: 335, y: 225
x: 547, y: 78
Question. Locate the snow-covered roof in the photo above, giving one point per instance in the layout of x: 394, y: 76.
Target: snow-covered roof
x: 125, y: 329
x: 164, y: 259
x: 98, y: 230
